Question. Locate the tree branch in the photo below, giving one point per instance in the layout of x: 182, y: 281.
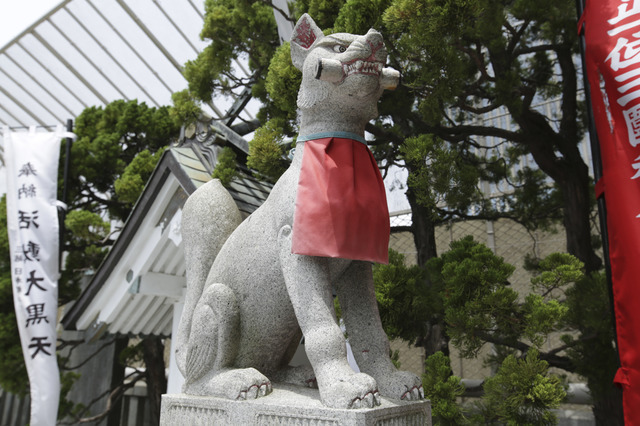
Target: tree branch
x: 459, y: 133
x: 572, y: 344
x: 517, y: 34
x: 478, y: 58
x: 115, y: 395
x: 569, y: 106
x: 399, y: 229
x: 554, y: 360
x: 280, y: 11
x: 476, y: 110
x: 537, y: 48
x: 75, y: 367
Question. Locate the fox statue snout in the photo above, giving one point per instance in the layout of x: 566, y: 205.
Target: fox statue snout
x: 366, y: 55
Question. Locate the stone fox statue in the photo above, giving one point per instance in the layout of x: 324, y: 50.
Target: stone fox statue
x: 274, y: 275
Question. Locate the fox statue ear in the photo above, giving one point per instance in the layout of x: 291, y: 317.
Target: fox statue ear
x: 305, y: 33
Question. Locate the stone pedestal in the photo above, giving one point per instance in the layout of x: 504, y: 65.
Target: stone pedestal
x: 287, y: 405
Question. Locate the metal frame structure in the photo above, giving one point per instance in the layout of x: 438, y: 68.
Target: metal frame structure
x: 91, y: 52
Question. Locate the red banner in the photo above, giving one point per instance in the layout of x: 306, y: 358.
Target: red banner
x: 612, y: 36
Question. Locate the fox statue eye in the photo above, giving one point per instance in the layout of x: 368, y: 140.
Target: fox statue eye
x: 339, y: 48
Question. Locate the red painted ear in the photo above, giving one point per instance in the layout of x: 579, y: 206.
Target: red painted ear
x: 305, y: 33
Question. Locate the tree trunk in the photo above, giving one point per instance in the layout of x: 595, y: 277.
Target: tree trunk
x: 117, y: 377
x: 561, y: 160
x: 423, y: 230
x: 153, y: 355
x: 424, y: 238
x: 576, y: 210
x: 436, y: 340
x: 607, y: 408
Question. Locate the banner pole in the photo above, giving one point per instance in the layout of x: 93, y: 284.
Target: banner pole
x: 62, y: 212
x: 67, y: 162
x: 596, y: 161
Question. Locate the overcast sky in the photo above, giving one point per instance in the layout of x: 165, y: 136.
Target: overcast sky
x: 16, y: 16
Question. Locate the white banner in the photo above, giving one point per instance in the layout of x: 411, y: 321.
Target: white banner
x: 31, y: 160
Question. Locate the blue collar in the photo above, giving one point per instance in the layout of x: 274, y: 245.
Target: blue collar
x: 321, y: 135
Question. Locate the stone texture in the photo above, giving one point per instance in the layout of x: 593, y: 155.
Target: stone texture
x: 246, y: 311
x: 208, y: 218
x: 343, y: 76
x: 287, y: 405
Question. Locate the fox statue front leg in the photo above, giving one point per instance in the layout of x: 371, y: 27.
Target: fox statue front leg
x: 367, y: 338
x: 339, y: 385
x: 212, y: 350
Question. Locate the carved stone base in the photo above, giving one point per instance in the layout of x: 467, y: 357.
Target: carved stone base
x: 287, y: 405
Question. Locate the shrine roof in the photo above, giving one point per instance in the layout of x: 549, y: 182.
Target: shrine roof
x: 143, y: 275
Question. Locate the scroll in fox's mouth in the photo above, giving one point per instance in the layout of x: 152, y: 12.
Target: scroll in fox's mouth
x: 336, y: 72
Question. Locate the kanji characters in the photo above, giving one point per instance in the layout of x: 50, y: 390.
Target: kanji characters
x: 27, y: 191
x: 35, y: 314
x: 624, y: 61
x: 39, y: 345
x: 26, y: 219
x: 632, y: 118
x: 32, y: 219
x: 27, y: 169
x: 624, y: 54
x: 31, y: 251
x: 33, y: 280
x: 636, y: 166
x: 624, y: 12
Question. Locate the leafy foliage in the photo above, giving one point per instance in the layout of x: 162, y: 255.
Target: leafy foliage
x: 266, y: 153
x: 235, y: 28
x: 116, y: 151
x: 186, y: 109
x: 226, y: 167
x: 405, y: 301
x: 521, y: 393
x: 443, y: 176
x: 12, y: 367
x: 130, y: 184
x: 284, y: 80
x: 357, y: 16
x: 109, y: 139
x: 87, y: 225
x: 13, y: 372
x: 481, y: 307
x: 466, y: 60
x: 469, y: 287
x: 442, y: 388
x: 324, y: 12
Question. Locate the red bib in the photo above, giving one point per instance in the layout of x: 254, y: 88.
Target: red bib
x: 341, y: 206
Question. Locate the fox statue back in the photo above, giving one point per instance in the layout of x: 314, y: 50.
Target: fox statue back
x: 254, y: 289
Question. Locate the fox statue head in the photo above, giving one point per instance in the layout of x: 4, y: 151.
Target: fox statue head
x: 343, y: 75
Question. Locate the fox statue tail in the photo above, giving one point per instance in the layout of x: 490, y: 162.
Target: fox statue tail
x: 208, y: 218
